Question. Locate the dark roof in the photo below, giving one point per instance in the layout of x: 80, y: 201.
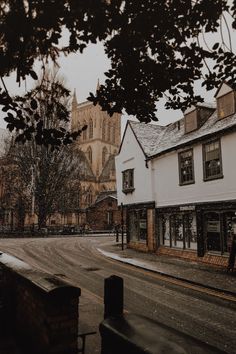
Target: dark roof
x: 156, y: 141
x: 104, y: 195
x: 86, y: 172
x: 109, y: 166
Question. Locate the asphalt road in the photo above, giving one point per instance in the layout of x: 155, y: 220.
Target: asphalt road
x: 77, y: 260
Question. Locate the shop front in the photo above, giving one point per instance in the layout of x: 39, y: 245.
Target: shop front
x: 177, y: 227
x: 219, y: 226
x: 205, y: 230
x: 139, y: 225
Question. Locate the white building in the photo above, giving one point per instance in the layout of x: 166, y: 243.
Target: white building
x: 178, y: 182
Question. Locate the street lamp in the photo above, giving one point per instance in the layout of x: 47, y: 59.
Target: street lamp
x: 34, y: 173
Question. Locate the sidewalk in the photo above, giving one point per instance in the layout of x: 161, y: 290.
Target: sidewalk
x: 208, y: 276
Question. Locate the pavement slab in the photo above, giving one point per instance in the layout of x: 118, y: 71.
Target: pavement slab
x: 208, y: 276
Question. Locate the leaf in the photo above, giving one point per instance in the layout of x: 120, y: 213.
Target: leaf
x: 34, y: 104
x: 33, y: 74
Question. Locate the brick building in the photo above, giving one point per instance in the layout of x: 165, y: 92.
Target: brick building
x: 104, y: 214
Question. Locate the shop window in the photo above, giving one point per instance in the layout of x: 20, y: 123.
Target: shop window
x: 190, y: 231
x: 164, y: 229
x: 128, y: 181
x: 213, y: 231
x: 138, y: 225
x: 229, y: 230
x: 178, y: 230
x: 186, y: 169
x: 226, y: 105
x: 212, y: 163
x: 133, y: 226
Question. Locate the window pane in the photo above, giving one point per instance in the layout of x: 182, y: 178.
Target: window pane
x: 213, y: 165
x: 190, y: 230
x: 186, y: 166
x: 128, y: 177
x: 177, y: 230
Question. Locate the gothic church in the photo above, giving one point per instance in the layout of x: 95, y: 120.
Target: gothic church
x: 99, y: 144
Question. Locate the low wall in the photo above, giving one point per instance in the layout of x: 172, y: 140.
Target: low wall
x: 208, y: 258
x: 39, y: 309
x: 135, y: 334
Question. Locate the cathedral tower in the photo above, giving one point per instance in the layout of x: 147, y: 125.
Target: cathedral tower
x: 99, y: 142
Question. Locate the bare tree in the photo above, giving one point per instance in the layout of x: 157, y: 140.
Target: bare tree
x: 44, y: 175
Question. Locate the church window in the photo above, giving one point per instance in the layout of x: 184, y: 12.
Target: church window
x: 90, y: 129
x: 104, y: 155
x: 114, y: 133
x: 84, y: 132
x: 90, y: 154
x: 108, y: 131
x: 104, y: 130
x: 89, y: 197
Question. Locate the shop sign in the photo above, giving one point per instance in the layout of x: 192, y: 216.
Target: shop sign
x: 213, y: 226
x: 143, y: 224
x: 187, y: 208
x: 234, y: 228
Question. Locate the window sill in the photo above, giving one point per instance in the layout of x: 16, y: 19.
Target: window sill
x: 218, y: 253
x: 206, y: 179
x: 186, y: 183
x: 128, y: 190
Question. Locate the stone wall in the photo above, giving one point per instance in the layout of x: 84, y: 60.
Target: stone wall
x: 41, y: 310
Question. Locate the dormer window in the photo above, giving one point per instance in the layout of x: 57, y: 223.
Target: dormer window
x: 190, y: 121
x: 196, y: 116
x: 226, y: 105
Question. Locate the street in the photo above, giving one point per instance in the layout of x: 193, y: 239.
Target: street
x: 77, y: 260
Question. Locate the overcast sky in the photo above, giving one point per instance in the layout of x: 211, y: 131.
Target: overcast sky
x: 81, y: 72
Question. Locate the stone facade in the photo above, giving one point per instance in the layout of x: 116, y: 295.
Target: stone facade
x: 99, y: 144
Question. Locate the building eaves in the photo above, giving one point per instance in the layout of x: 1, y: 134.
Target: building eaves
x: 173, y: 138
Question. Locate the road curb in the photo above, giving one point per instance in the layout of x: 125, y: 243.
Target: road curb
x: 150, y: 269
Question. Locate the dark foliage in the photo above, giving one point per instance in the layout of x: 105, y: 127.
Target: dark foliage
x: 153, y: 45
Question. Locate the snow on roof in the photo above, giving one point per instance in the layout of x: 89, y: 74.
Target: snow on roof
x: 211, y: 105
x: 156, y: 139
x: 13, y: 262
x: 148, y: 135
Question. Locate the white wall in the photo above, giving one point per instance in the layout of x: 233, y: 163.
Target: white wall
x: 166, y: 177
x: 131, y: 156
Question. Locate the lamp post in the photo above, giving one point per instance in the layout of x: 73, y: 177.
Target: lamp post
x: 34, y: 173
x: 122, y: 227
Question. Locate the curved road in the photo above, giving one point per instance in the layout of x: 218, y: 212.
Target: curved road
x: 77, y: 260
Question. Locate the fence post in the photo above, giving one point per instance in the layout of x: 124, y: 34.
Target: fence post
x: 113, y: 296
